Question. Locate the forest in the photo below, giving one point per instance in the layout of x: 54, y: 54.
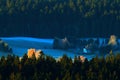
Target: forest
x: 51, y: 18
x: 47, y: 68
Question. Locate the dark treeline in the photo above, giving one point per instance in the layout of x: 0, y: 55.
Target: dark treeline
x: 46, y: 68
x: 50, y: 18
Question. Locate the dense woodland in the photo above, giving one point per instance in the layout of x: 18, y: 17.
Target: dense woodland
x: 50, y: 18
x: 47, y: 68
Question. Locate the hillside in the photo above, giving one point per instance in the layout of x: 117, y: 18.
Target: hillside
x: 50, y: 18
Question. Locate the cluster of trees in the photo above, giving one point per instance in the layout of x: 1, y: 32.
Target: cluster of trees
x: 47, y: 68
x: 5, y: 47
x: 59, y: 17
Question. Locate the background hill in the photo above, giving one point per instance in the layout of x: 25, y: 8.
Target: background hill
x: 50, y: 18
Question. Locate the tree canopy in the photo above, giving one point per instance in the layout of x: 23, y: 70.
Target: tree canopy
x: 47, y: 68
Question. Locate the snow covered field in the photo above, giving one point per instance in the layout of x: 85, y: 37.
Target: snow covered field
x: 20, y: 45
